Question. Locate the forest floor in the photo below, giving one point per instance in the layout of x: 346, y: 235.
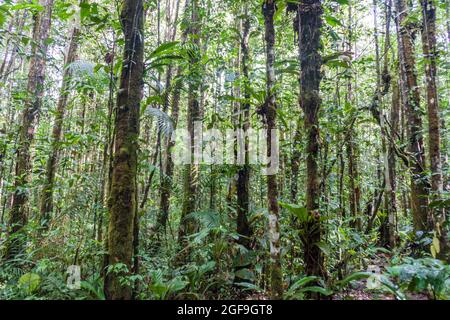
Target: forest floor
x: 359, y: 290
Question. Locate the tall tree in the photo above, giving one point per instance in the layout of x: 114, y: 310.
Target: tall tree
x: 122, y: 202
x: 411, y: 99
x: 310, y: 22
x: 46, y: 206
x: 33, y: 102
x: 191, y: 170
x: 351, y: 139
x: 243, y: 227
x: 431, y: 54
x: 268, y: 10
x: 168, y: 167
x: 434, y: 144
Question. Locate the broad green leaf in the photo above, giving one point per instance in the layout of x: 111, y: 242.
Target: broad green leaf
x: 245, y: 274
x: 300, y: 212
x: 343, y: 2
x: 320, y: 290
x: 29, y: 282
x: 354, y: 276
x: 249, y: 286
x: 302, y: 282
x: 333, y: 21
x: 25, y: 5
x: 165, y: 48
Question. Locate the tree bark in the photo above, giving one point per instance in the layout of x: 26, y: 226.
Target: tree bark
x: 33, y: 102
x: 46, y: 206
x: 392, y: 198
x: 295, y: 162
x: 411, y: 99
x: 243, y: 227
x: 122, y: 204
x: 434, y: 143
x: 310, y: 12
x: 276, y: 289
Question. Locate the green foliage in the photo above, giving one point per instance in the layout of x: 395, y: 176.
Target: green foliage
x: 29, y: 282
x: 298, y: 211
x: 298, y: 289
x: 354, y: 276
x: 422, y: 275
x: 93, y: 287
x: 161, y: 289
x: 216, y: 265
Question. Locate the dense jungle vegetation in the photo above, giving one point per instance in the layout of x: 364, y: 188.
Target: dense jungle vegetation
x: 351, y: 100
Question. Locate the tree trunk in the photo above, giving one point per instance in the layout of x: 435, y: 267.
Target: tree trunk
x: 166, y: 181
x: 392, y: 199
x: 430, y: 53
x: 411, y: 98
x: 351, y: 145
x: 33, y: 102
x: 268, y: 10
x: 46, y: 206
x: 191, y: 173
x: 243, y: 227
x: 122, y: 206
x: 310, y: 12
x: 8, y: 63
x: 354, y: 194
x: 295, y: 162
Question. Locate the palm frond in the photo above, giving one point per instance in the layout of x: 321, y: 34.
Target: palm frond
x: 164, y: 121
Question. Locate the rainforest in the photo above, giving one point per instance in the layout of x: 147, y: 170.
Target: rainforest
x: 224, y: 150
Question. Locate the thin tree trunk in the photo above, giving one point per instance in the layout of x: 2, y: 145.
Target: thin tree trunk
x: 390, y: 195
x: 8, y: 63
x: 175, y: 92
x: 33, y: 102
x: 46, y: 206
x: 392, y: 198
x: 295, y: 162
x: 191, y: 173
x: 351, y: 146
x: 166, y: 183
x: 243, y: 227
x: 107, y: 156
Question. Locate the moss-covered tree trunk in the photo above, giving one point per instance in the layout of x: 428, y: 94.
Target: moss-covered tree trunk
x: 33, y: 102
x: 243, y: 227
x: 276, y: 287
x: 310, y: 12
x: 122, y: 202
